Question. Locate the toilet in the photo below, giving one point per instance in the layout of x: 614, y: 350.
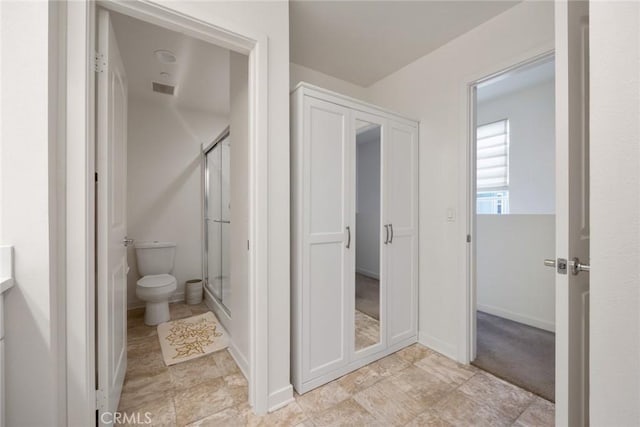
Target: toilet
x: 155, y: 263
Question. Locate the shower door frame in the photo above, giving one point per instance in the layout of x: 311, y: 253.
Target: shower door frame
x: 221, y: 309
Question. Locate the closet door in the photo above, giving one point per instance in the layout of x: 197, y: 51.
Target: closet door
x: 402, y: 218
x: 368, y: 304
x: 328, y: 236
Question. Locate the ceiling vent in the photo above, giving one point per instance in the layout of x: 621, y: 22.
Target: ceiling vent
x: 162, y: 88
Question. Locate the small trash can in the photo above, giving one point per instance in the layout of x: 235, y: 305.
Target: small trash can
x: 193, y: 291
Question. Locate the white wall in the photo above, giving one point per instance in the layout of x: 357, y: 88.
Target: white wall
x: 271, y: 19
x: 368, y: 205
x: 239, y: 256
x: 434, y: 90
x: 512, y: 281
x: 164, y: 188
x: 28, y: 37
x: 531, y: 114
x: 615, y: 214
x: 300, y: 73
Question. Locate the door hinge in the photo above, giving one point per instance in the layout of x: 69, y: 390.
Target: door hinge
x: 99, y: 62
x: 101, y: 400
x: 96, y: 176
x: 468, y: 238
x: 247, y: 245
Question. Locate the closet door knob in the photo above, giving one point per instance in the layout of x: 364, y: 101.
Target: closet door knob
x: 386, y: 237
x: 391, y: 227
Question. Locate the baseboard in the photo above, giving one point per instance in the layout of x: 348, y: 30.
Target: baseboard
x: 177, y: 297
x: 368, y: 273
x: 213, y: 305
x: 531, y: 321
x: 438, y: 345
x: 281, y: 398
x: 217, y: 309
x: 241, y: 361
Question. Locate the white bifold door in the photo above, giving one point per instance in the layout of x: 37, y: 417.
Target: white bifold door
x: 354, y: 235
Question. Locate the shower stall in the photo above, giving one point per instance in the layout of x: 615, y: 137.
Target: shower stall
x: 217, y: 219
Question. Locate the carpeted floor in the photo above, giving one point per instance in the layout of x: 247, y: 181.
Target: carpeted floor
x: 520, y: 354
x: 368, y: 295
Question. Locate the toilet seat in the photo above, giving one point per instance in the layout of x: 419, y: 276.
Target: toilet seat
x: 156, y: 281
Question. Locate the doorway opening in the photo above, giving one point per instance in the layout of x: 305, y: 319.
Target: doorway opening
x: 512, y: 205
x: 162, y: 96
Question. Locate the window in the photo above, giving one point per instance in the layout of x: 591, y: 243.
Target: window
x: 492, y: 168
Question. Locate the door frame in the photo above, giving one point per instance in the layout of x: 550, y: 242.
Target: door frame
x: 471, y: 282
x: 79, y: 304
x: 462, y: 350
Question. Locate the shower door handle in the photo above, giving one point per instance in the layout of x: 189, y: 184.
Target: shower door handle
x: 220, y: 221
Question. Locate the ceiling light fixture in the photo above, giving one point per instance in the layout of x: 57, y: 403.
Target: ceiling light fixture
x: 165, y: 56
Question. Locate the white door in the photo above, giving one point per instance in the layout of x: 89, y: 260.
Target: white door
x: 328, y: 237
x: 111, y: 305
x: 572, y: 212
x: 401, y: 216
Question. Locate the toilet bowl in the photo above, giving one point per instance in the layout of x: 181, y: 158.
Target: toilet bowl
x: 156, y: 289
x: 155, y: 263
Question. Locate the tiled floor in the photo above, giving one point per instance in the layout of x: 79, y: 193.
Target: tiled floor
x: 414, y: 387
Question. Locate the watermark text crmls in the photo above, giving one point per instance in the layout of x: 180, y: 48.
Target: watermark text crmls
x: 143, y: 418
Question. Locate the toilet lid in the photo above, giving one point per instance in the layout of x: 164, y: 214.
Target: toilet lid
x: 156, y: 280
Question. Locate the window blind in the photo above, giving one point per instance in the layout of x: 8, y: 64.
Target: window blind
x: 492, y: 162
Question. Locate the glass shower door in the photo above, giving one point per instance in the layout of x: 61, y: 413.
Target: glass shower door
x: 218, y: 219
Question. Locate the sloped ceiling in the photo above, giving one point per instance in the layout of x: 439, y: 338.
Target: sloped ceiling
x: 363, y: 41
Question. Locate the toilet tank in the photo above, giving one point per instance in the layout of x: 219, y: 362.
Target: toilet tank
x: 155, y: 257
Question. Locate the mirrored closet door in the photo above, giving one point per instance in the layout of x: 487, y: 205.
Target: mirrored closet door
x: 368, y: 315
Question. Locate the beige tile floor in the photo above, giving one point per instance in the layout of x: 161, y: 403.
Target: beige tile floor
x: 413, y: 387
